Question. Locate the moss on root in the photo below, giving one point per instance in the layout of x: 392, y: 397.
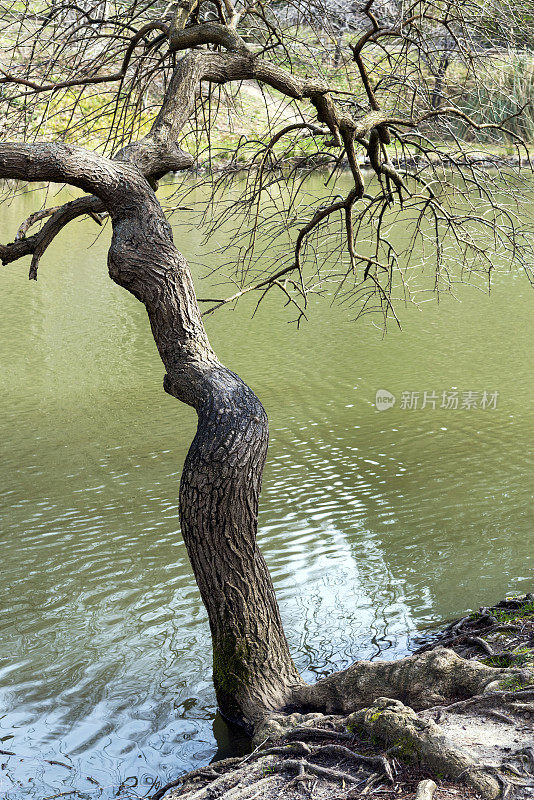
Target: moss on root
x: 405, y: 751
x: 506, y: 615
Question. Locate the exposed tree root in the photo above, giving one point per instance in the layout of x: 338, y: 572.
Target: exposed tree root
x: 456, y: 719
x: 486, y: 630
x: 429, y: 678
x: 511, y: 701
x: 304, y: 768
x: 423, y: 741
x: 202, y: 774
x: 527, y: 754
x: 317, y: 733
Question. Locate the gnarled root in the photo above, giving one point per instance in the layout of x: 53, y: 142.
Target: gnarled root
x: 422, y: 741
x: 515, y: 703
x: 388, y: 731
x: 420, y: 681
x: 276, y: 771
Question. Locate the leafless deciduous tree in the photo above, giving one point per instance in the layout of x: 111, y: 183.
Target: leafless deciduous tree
x: 155, y: 78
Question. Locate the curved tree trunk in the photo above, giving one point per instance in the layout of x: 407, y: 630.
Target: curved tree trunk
x: 219, y: 492
x: 252, y: 669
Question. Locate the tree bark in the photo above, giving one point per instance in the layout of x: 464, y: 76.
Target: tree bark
x: 219, y: 493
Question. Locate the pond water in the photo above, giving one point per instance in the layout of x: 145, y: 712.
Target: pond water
x: 374, y: 524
